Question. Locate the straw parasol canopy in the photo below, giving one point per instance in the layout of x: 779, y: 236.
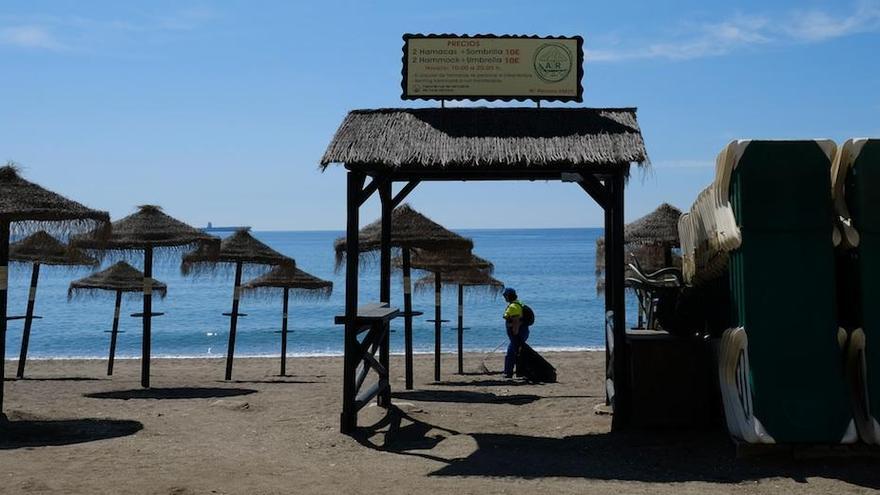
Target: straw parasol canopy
x: 658, y: 227
x: 409, y: 229
x: 41, y: 247
x: 464, y: 278
x: 240, y: 247
x: 119, y: 277
x: 147, y: 227
x: 450, y: 261
x: 26, y: 204
x: 302, y: 284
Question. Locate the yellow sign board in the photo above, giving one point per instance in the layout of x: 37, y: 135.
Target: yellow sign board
x: 448, y: 67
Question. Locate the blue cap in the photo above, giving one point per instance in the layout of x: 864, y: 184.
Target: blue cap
x: 508, y: 290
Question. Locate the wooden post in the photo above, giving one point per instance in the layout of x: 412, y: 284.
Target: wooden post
x: 147, y: 316
x: 609, y: 283
x: 622, y: 391
x: 437, y: 323
x: 114, y: 332
x: 460, y: 330
x: 28, y: 319
x: 284, y: 332
x: 233, y: 320
x: 348, y: 419
x: 4, y: 285
x: 384, y: 398
x: 407, y: 319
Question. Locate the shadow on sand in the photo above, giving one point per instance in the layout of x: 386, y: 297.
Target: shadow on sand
x: 172, y: 393
x: 60, y: 379
x: 32, y: 432
x: 465, y: 396
x: 630, y: 456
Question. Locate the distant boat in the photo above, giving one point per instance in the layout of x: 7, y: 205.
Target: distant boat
x: 211, y: 228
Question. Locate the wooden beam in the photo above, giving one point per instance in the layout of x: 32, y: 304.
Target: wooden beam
x: 407, y: 320
x: 384, y: 398
x: 622, y: 389
x: 28, y: 320
x: 4, y: 284
x: 348, y: 418
x: 599, y: 193
x: 403, y: 193
x: 376, y: 182
x: 147, y: 316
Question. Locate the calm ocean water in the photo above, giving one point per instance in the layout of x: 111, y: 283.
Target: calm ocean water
x: 552, y: 269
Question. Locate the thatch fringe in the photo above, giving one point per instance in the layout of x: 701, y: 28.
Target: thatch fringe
x: 29, y: 207
x: 240, y: 247
x: 43, y: 248
x: 118, y: 277
x: 487, y: 138
x: 409, y: 229
x: 301, y: 285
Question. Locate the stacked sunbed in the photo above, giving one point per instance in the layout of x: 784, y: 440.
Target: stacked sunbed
x: 769, y: 225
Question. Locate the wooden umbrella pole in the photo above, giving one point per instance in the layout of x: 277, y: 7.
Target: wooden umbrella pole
x: 407, y: 319
x: 284, y: 333
x: 28, y: 320
x: 147, y: 317
x: 460, y: 330
x: 114, y: 332
x: 437, y: 323
x: 4, y: 281
x: 233, y: 321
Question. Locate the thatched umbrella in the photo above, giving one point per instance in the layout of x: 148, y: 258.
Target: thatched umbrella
x: 288, y: 278
x: 121, y: 278
x: 409, y: 230
x: 438, y: 264
x: 147, y: 229
x: 651, y: 238
x: 24, y: 206
x: 40, y: 248
x: 462, y: 278
x: 239, y: 249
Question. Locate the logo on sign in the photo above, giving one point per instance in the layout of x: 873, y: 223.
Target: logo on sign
x: 552, y: 62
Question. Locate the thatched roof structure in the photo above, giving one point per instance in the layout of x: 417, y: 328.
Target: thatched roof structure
x: 119, y: 277
x: 147, y: 227
x: 450, y: 261
x: 465, y: 278
x: 298, y: 282
x: 409, y: 229
x: 41, y: 247
x: 240, y: 247
x: 658, y: 227
x: 502, y: 138
x: 23, y: 203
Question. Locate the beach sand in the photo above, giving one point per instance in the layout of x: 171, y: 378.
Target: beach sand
x: 76, y: 431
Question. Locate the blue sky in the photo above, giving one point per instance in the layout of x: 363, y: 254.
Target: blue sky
x: 220, y: 111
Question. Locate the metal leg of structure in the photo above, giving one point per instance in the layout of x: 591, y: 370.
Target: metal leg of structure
x: 437, y: 322
x: 147, y: 317
x: 460, y: 330
x: 284, y: 333
x: 233, y: 321
x: 113, y: 333
x: 28, y: 320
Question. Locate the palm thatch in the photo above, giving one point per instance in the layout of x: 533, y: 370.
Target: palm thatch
x: 41, y: 247
x: 147, y: 227
x: 301, y: 284
x: 658, y: 227
x: 465, y: 278
x: 449, y: 261
x: 118, y: 277
x: 488, y: 138
x: 240, y: 247
x: 409, y: 229
x: 26, y: 205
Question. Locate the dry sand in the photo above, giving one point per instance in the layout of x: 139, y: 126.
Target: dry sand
x: 76, y: 431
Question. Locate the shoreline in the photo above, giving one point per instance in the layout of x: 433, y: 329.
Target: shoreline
x: 501, y: 350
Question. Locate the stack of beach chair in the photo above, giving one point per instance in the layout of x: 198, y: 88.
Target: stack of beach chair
x: 799, y: 363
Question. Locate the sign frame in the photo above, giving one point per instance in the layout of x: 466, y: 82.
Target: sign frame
x: 578, y: 97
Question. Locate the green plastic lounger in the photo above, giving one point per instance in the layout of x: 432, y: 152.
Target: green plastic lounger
x: 857, y: 199
x: 781, y: 372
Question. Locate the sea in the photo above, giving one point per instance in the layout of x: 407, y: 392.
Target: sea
x: 553, y: 271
